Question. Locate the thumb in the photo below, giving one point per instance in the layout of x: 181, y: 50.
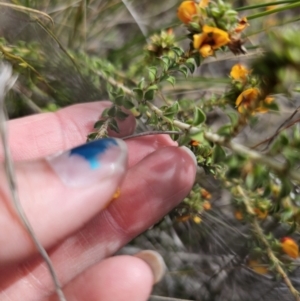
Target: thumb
x: 60, y: 194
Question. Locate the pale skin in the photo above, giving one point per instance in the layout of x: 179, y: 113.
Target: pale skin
x: 81, y: 231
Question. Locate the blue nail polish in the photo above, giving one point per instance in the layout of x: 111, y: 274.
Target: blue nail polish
x: 92, y: 150
x: 90, y: 162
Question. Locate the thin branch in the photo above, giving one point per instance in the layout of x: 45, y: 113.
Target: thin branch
x: 255, y: 156
x: 7, y: 80
x: 261, y: 236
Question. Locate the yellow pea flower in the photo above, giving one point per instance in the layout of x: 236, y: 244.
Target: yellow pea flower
x: 243, y: 23
x: 290, y: 247
x: 256, y: 266
x: 246, y: 100
x: 209, y: 40
x: 186, y: 11
x: 239, y: 72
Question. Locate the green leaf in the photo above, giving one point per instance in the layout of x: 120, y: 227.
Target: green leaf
x: 219, y: 154
x: 105, y: 113
x: 173, y: 109
x: 121, y: 115
x: 178, y: 51
x: 190, y: 63
x: 197, y: 57
x: 141, y: 84
x: 127, y: 104
x: 139, y: 93
x: 113, y: 125
x: 111, y: 111
x: 234, y: 117
x: 167, y: 62
x: 225, y: 130
x: 152, y: 87
x: 152, y: 73
x: 171, y: 80
x: 149, y: 95
x: 99, y: 124
x: 199, y: 116
x: 184, y: 70
x: 119, y: 100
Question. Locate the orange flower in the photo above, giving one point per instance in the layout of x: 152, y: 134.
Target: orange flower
x: 290, y: 247
x: 206, y: 205
x: 239, y: 72
x: 243, y: 23
x: 186, y: 11
x: 238, y: 215
x: 247, y: 99
x: 209, y: 40
x: 205, y: 194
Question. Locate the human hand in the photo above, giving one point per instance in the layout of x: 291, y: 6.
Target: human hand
x: 72, y: 215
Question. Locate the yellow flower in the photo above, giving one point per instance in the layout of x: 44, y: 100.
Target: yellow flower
x: 203, y: 3
x: 256, y: 266
x: 243, y: 23
x: 261, y: 214
x: 247, y: 100
x: 239, y: 72
x: 186, y: 11
x: 209, y: 40
x: 262, y: 107
x: 197, y: 219
x: 206, y: 205
x: 290, y: 247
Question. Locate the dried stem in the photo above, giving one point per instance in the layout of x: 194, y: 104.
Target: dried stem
x: 6, y: 82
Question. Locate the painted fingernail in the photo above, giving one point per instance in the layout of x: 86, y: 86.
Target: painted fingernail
x: 190, y: 153
x: 91, y: 162
x: 155, y: 262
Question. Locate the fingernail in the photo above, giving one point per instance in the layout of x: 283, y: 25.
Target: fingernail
x: 155, y: 262
x: 190, y: 153
x: 91, y: 162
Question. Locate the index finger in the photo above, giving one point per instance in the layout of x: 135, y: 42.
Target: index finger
x: 41, y: 135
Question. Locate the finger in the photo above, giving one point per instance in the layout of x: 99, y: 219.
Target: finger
x: 60, y: 194
x: 46, y: 198
x: 151, y: 189
x: 44, y: 134
x: 119, y: 278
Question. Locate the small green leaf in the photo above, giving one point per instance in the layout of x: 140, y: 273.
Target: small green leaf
x: 190, y: 63
x: 113, y: 125
x: 121, y: 115
x: 286, y: 187
x: 234, y: 117
x: 139, y: 93
x: 152, y: 73
x: 141, y: 84
x: 173, y: 109
x: 119, y: 100
x: 166, y: 61
x: 99, y: 124
x: 111, y: 111
x: 127, y: 104
x: 184, y: 70
x: 219, y: 154
x: 149, y: 95
x: 225, y: 130
x: 152, y: 87
x: 199, y: 116
x: 171, y: 80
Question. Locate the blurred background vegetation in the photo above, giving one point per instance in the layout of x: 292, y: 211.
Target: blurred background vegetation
x: 73, y: 51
